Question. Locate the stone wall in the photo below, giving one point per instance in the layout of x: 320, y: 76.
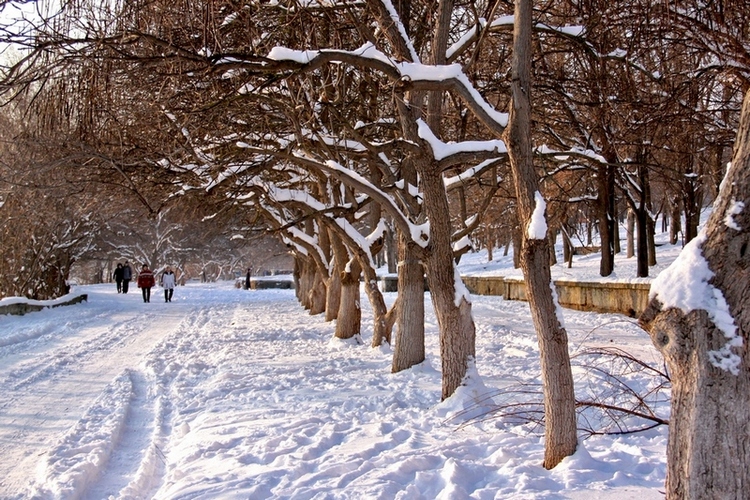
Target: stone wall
x: 624, y: 298
x: 21, y: 308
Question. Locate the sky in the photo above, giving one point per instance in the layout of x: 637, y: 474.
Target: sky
x: 229, y: 393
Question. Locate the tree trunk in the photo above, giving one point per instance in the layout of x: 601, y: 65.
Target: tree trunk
x: 333, y: 290
x: 391, y: 250
x: 567, y: 248
x: 605, y: 178
x: 642, y: 243
x: 708, y: 453
x: 631, y: 233
x: 692, y: 206
x: 381, y: 328
x: 675, y: 225
x: 552, y: 235
x: 457, y: 331
x: 409, y: 347
x: 349, y: 319
x: 557, y: 377
x: 317, y: 292
x: 616, y: 234
x: 650, y: 239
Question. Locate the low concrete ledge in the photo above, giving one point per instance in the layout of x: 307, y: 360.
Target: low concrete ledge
x: 485, y: 285
x: 630, y: 299
x: 607, y: 297
x: 26, y: 306
x: 268, y: 284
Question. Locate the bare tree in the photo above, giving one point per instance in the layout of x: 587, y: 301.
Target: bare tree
x: 557, y: 377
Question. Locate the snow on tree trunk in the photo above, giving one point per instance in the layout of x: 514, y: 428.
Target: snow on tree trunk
x: 452, y: 308
x: 333, y: 290
x: 699, y: 321
x: 557, y: 377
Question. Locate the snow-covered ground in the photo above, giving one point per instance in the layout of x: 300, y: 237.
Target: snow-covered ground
x: 228, y: 393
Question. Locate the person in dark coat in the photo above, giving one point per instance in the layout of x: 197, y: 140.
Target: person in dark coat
x: 127, y: 275
x: 145, y: 282
x: 247, y: 278
x: 118, y: 277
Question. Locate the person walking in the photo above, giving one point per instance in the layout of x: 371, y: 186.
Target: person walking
x: 118, y: 277
x: 168, y: 283
x: 127, y: 275
x: 145, y: 282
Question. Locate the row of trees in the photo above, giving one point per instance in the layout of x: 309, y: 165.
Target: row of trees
x: 346, y: 126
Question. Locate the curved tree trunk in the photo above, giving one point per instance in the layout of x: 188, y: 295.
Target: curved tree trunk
x: 705, y: 344
x: 457, y: 330
x: 381, y: 327
x: 557, y: 378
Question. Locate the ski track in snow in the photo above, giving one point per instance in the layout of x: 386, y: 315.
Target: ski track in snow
x: 38, y: 371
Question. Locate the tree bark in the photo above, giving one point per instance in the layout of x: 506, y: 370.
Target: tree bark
x: 457, y: 330
x: 557, y: 377
x: 605, y: 178
x: 317, y: 292
x: 708, y: 452
x: 631, y: 233
x: 349, y: 319
x: 409, y: 347
x: 675, y: 225
x: 333, y: 290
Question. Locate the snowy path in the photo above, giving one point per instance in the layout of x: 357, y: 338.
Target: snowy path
x: 50, y: 376
x: 226, y: 393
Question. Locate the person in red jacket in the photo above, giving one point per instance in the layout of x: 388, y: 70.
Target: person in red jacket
x: 145, y: 282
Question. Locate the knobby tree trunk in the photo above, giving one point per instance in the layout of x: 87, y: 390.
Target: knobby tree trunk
x: 350, y: 314
x: 557, y: 377
x: 708, y: 452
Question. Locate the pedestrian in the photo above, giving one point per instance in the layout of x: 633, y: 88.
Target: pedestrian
x: 118, y: 277
x: 168, y: 283
x: 127, y: 275
x: 247, y: 278
x: 145, y: 282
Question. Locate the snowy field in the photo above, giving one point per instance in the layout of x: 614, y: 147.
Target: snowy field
x: 227, y: 393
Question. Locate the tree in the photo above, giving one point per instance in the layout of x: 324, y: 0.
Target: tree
x: 699, y: 321
x: 557, y: 378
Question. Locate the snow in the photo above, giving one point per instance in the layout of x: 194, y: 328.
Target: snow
x: 228, y: 393
x: 686, y: 285
x: 442, y: 150
x: 735, y: 208
x: 537, y: 229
